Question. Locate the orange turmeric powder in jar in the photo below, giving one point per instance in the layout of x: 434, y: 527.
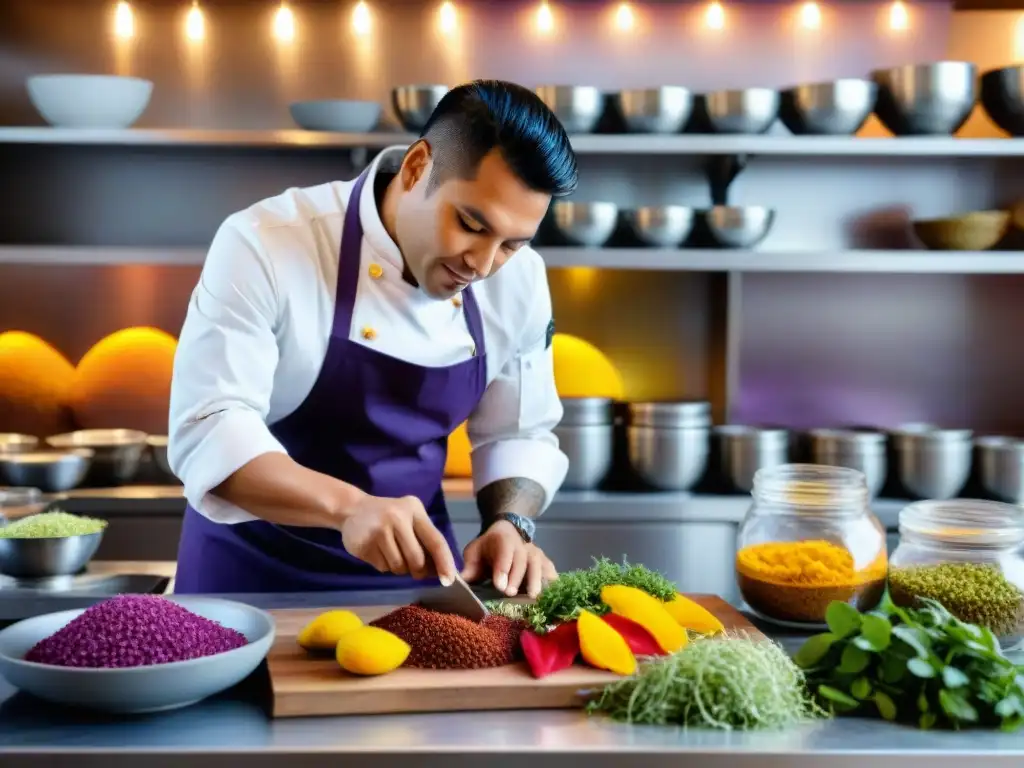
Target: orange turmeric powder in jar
x: 809, y: 539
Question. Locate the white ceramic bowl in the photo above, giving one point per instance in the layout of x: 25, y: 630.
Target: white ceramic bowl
x: 337, y: 115
x: 138, y: 690
x: 89, y: 101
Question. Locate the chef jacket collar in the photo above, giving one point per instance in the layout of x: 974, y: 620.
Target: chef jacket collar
x: 388, y: 161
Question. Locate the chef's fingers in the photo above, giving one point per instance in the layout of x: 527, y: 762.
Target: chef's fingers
x: 392, y: 554
x: 472, y: 558
x: 412, y: 552
x: 550, y: 574
x: 535, y: 573
x: 520, y: 562
x: 501, y: 561
x: 437, y: 547
x: 377, y: 560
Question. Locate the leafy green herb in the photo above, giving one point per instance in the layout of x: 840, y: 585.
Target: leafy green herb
x: 919, y: 664
x: 574, y: 591
x: 726, y: 682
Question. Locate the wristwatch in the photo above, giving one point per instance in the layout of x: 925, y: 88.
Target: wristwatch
x: 526, y: 527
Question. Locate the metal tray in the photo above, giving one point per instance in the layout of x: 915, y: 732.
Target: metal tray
x: 24, y: 598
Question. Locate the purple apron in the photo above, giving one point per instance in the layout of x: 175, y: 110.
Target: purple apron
x: 371, y: 420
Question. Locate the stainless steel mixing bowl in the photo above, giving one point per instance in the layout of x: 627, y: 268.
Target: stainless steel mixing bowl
x: 586, y: 224
x: 49, y: 471
x: 1002, y: 95
x: 655, y: 110
x: 854, y: 449
x: 660, y: 226
x: 117, y: 453
x: 926, y: 99
x: 12, y: 442
x: 413, y: 104
x: 837, y: 108
x: 39, y: 558
x: 733, y: 226
x: 578, y: 107
x: 748, y: 110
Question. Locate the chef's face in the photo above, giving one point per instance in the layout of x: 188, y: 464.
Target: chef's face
x: 462, y: 230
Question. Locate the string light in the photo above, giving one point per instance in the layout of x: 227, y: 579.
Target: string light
x: 361, y: 21
x: 124, y: 21
x: 898, y: 17
x: 545, y: 21
x: 810, y: 16
x: 624, y: 17
x: 447, y: 18
x: 714, y: 18
x: 284, y: 23
x: 195, y: 26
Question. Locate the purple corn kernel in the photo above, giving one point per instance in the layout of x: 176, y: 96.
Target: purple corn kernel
x: 134, y: 631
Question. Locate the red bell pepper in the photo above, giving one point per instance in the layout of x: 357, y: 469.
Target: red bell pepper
x: 640, y: 641
x: 553, y: 651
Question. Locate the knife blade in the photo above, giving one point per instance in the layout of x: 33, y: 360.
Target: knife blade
x: 458, y: 599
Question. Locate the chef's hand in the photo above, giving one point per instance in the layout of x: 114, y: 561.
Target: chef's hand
x: 501, y: 553
x: 396, y: 536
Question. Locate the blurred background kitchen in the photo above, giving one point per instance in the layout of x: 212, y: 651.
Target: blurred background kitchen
x: 773, y: 284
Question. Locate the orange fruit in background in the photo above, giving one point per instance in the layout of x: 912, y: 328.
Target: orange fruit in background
x: 583, y: 370
x: 458, y: 463
x: 35, y: 381
x: 124, y: 381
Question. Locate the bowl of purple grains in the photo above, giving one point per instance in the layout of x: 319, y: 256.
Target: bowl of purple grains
x: 135, y: 654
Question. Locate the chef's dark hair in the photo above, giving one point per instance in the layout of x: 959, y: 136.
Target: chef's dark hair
x: 473, y: 119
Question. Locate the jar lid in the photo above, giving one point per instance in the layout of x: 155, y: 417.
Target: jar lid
x: 812, y: 487
x: 964, y: 522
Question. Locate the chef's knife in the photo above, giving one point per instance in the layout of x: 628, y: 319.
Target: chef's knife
x: 458, y: 599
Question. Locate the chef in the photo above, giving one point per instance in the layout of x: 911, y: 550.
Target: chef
x: 336, y: 337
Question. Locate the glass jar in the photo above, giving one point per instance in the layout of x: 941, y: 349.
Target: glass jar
x: 809, y: 538
x: 965, y: 554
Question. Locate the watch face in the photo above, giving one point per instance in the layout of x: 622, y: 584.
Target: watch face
x: 525, y: 525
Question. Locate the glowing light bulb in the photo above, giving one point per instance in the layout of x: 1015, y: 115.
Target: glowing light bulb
x: 284, y: 24
x: 898, y: 16
x: 545, y: 21
x: 1018, y: 43
x: 195, y: 26
x: 810, y: 16
x: 624, y: 17
x: 714, y: 18
x: 124, y: 21
x: 447, y: 18
x: 361, y: 21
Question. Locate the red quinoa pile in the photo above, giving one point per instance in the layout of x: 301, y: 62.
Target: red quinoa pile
x: 134, y: 631
x: 443, y: 641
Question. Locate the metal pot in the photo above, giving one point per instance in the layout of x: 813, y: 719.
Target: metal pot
x: 668, y: 458
x: 740, y: 451
x: 933, y: 463
x: 1001, y: 468
x: 861, y: 450
x: 586, y: 435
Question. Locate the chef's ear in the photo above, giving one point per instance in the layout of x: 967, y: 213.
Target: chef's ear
x: 415, y: 164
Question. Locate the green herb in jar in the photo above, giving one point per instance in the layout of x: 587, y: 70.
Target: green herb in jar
x: 973, y: 592
x: 51, y: 525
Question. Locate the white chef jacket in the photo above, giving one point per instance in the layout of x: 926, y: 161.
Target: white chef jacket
x: 259, y: 320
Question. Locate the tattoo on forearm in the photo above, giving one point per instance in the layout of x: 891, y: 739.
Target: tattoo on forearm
x: 515, y: 494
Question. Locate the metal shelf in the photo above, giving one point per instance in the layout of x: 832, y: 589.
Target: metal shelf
x: 692, y: 260
x: 567, y: 507
x: 624, y: 144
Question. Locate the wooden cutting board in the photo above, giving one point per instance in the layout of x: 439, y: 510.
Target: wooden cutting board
x: 304, y: 685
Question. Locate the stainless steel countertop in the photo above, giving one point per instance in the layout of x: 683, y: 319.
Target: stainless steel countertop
x: 234, y: 726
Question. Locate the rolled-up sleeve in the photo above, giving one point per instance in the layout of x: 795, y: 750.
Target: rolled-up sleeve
x: 511, y: 429
x: 224, y: 370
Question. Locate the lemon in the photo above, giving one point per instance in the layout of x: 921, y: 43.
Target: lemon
x: 582, y: 370
x: 324, y: 632
x: 371, y: 651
